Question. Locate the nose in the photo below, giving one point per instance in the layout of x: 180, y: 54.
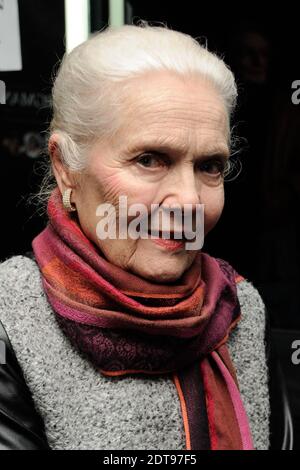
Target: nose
x: 182, y: 191
x: 183, y: 188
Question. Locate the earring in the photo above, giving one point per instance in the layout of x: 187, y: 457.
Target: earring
x: 66, y: 199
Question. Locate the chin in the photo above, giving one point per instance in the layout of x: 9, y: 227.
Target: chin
x: 161, y: 275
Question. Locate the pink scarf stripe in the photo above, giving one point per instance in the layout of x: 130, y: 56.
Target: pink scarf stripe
x: 239, y: 409
x: 88, y: 315
x: 73, y: 262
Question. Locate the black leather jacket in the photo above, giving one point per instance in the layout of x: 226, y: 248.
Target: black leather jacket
x: 22, y: 428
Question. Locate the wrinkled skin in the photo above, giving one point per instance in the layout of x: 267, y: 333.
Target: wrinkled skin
x: 186, y: 121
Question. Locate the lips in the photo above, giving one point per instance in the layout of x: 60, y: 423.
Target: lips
x: 171, y: 236
x: 169, y: 244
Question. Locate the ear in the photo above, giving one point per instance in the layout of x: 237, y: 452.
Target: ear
x: 62, y: 174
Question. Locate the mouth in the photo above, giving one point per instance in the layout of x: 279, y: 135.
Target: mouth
x: 167, y: 241
x: 174, y: 236
x: 170, y: 245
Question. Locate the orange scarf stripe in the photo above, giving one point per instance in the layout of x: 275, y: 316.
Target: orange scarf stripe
x: 153, y: 296
x: 69, y: 282
x: 183, y: 411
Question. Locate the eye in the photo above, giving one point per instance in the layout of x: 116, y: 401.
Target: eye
x: 214, y: 167
x: 151, y: 160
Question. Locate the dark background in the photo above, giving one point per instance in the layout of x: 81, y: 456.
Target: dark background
x: 258, y: 232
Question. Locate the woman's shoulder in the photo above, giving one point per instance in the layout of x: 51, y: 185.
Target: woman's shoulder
x: 247, y: 346
x: 248, y: 339
x: 21, y: 425
x: 20, y: 283
x: 252, y: 305
x: 18, y: 271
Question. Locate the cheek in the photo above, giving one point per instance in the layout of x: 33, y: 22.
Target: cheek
x: 108, y: 189
x: 111, y: 186
x: 120, y: 182
x: 214, y: 204
x: 125, y: 185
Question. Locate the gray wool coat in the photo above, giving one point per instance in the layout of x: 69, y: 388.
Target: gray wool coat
x: 82, y: 409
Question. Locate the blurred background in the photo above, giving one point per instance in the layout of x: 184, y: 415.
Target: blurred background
x: 259, y: 229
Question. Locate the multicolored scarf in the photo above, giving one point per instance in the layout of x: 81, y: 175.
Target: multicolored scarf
x: 125, y: 324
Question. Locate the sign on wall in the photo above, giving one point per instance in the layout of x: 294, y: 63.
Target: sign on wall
x: 10, y: 46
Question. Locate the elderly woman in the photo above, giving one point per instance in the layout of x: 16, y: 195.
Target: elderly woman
x: 134, y: 342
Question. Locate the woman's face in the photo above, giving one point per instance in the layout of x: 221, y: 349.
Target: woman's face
x: 169, y: 151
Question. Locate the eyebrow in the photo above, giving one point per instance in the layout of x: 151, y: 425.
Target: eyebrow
x: 167, y: 148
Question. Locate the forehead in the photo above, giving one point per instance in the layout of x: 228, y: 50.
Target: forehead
x: 165, y: 107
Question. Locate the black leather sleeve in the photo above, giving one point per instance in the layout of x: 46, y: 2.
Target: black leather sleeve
x: 21, y: 427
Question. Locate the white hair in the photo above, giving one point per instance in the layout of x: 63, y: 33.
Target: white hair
x: 92, y: 79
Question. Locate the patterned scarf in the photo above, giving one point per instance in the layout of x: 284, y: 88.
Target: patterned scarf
x: 125, y: 324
